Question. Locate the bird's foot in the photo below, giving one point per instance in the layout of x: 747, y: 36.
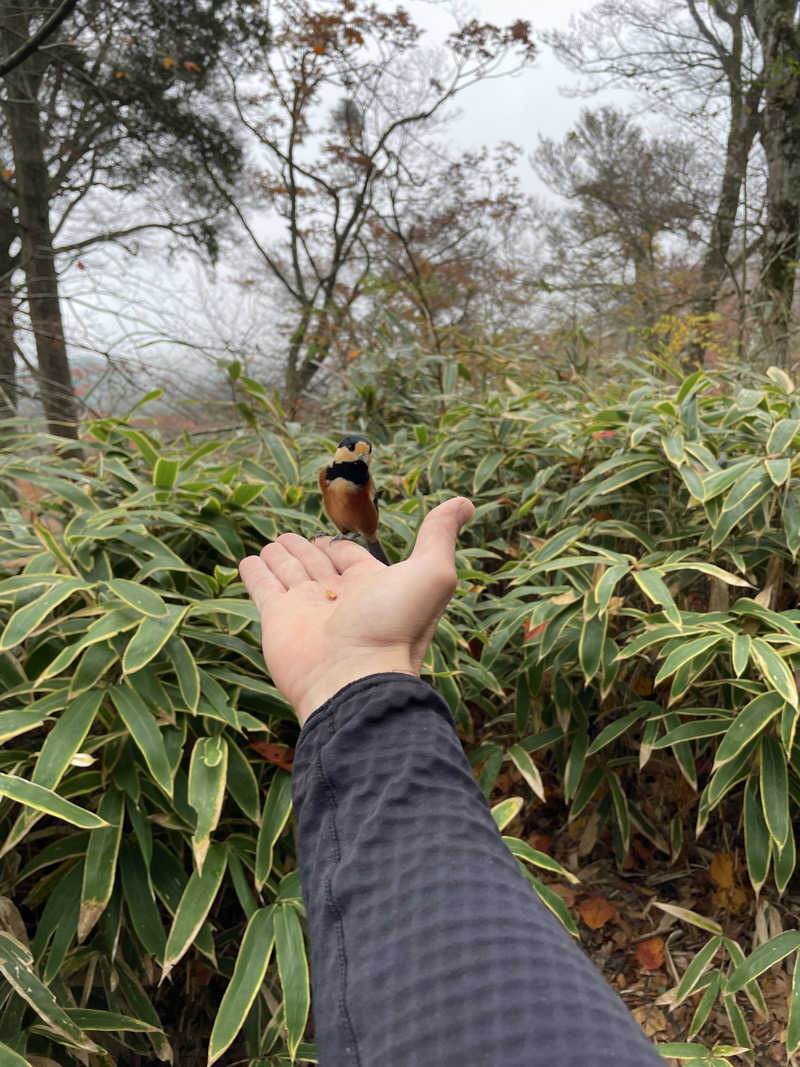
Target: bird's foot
x: 333, y: 537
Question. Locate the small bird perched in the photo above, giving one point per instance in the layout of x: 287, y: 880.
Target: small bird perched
x: 348, y: 492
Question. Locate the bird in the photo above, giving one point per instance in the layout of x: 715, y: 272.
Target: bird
x: 348, y: 492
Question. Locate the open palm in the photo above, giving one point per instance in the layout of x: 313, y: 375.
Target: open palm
x: 331, y: 614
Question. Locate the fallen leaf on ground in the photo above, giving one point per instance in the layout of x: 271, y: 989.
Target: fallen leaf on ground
x: 722, y: 870
x: 596, y: 912
x: 566, y: 892
x: 652, y: 1020
x: 542, y: 842
x: 734, y: 900
x: 650, y: 953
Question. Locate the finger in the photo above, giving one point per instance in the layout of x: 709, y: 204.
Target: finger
x: 436, y: 539
x: 263, y: 587
x: 344, y: 554
x: 317, y: 564
x: 287, y: 569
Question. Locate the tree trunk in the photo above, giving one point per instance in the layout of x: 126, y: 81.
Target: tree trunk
x: 33, y: 198
x: 295, y: 382
x: 744, y: 99
x: 8, y: 377
x: 714, y: 269
x: 308, y: 350
x: 773, y: 22
x: 8, y: 372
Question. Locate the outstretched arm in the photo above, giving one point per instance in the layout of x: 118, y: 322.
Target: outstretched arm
x: 428, y: 946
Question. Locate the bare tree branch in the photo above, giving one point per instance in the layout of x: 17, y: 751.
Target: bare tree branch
x: 48, y: 27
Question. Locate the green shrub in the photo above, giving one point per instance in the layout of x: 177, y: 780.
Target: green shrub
x: 144, y: 793
x: 627, y: 611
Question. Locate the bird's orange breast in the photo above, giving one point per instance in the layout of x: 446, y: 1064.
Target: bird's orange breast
x: 350, y: 507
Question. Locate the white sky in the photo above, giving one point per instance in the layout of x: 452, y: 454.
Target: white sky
x: 521, y: 107
x: 516, y: 109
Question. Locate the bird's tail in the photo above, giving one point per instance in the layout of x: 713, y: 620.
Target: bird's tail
x: 376, y: 549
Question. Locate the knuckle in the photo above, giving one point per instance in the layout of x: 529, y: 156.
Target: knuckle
x: 446, y: 578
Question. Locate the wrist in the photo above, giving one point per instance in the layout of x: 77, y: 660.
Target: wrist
x: 339, y: 675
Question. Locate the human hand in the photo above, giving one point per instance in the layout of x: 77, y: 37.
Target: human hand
x: 331, y: 614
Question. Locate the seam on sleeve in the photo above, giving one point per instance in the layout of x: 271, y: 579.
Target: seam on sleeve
x: 330, y: 899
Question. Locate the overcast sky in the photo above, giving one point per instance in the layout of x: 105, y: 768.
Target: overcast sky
x: 516, y: 109
x: 521, y: 107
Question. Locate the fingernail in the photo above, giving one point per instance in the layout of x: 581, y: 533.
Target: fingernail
x: 465, y: 512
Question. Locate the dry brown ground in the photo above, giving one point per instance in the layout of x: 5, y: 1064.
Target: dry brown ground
x: 643, y: 951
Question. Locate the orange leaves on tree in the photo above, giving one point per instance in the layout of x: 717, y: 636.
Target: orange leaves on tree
x: 167, y: 62
x: 8, y: 175
x: 596, y: 912
x: 650, y: 953
x: 189, y: 64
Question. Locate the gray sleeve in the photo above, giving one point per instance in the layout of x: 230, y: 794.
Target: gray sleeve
x: 428, y: 946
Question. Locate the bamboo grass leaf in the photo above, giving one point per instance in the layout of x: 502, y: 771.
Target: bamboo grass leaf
x: 774, y: 781
x: 248, y: 974
x: 66, y: 738
x: 756, y: 836
x: 764, y: 957
x: 293, y: 970
x: 150, y: 638
x: 45, y: 800
x: 139, y: 597
x: 277, y: 807
x: 655, y: 588
x: 16, y: 966
x: 195, y: 904
x: 506, y: 811
x: 100, y: 868
x: 775, y: 670
x: 750, y: 721
x: 793, y: 1027
x: 527, y: 768
x: 522, y: 850
x: 149, y: 739
x: 208, y: 771
x: 25, y: 620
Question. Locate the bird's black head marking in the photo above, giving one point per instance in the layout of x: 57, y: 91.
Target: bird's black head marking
x: 352, y: 440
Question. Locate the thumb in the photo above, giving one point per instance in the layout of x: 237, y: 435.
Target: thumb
x: 436, y: 539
